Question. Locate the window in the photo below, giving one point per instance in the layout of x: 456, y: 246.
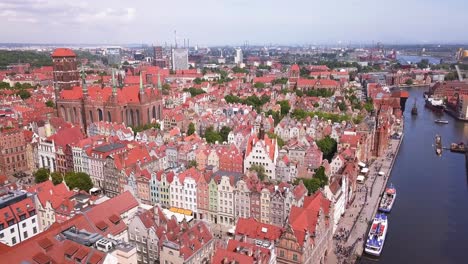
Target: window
x: 34, y: 230
x: 25, y: 234
x: 13, y: 240
x: 295, y: 257
x: 24, y: 225
x: 281, y: 253
x: 12, y: 231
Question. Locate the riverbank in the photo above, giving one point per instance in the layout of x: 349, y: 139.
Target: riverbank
x: 348, y: 243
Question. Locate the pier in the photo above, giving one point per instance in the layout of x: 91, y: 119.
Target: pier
x: 351, y: 233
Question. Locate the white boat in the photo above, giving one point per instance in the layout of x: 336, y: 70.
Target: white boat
x: 440, y: 121
x: 376, y: 238
x: 388, y: 199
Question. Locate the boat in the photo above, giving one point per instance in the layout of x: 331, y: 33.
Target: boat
x: 438, y: 145
x: 376, y: 238
x: 440, y: 121
x: 414, y: 110
x: 388, y: 199
x: 436, y: 105
x: 460, y: 147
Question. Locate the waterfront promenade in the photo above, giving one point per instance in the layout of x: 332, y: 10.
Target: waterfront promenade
x: 348, y: 241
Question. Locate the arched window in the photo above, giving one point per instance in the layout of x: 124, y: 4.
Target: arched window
x: 159, y: 112
x: 109, y: 118
x: 137, y: 118
x: 91, y: 118
x: 154, y: 112
x: 100, y: 115
x: 148, y: 115
x: 75, y: 116
x: 132, y: 118
x: 62, y: 112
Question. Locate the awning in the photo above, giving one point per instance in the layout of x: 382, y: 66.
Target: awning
x: 360, y: 178
x: 362, y: 164
x: 381, y: 173
x: 365, y: 170
x: 232, y: 230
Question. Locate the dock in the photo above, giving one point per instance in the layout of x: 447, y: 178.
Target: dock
x: 351, y: 233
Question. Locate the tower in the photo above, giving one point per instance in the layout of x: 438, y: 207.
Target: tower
x: 239, y: 58
x: 142, y: 88
x: 65, y: 70
x: 114, y: 85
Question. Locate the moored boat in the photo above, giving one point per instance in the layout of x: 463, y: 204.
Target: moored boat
x: 436, y: 105
x: 377, y: 233
x: 438, y: 145
x: 460, y: 147
x: 440, y: 121
x: 414, y: 110
x: 388, y: 199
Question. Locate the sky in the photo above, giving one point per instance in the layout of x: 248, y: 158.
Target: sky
x: 234, y: 22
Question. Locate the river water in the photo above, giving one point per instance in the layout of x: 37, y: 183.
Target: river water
x: 429, y: 220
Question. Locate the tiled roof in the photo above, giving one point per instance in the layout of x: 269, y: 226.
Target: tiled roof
x: 253, y: 229
x: 63, y: 52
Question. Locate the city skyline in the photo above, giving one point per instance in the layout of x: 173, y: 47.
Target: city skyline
x: 208, y: 23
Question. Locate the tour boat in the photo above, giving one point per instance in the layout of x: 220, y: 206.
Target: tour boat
x: 440, y: 121
x: 460, y: 147
x: 376, y: 238
x: 436, y: 105
x: 414, y: 110
x: 438, y: 145
x: 388, y: 199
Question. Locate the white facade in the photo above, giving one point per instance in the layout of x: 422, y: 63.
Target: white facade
x: 260, y: 155
x: 239, y: 58
x: 179, y: 59
x: 225, y: 202
x: 46, y: 154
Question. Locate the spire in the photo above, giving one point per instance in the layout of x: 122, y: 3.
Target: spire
x: 114, y: 85
x: 141, y: 84
x: 83, y: 81
x: 159, y: 81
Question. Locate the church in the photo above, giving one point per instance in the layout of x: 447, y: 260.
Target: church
x: 132, y: 105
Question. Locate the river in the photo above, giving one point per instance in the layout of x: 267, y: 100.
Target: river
x: 429, y: 221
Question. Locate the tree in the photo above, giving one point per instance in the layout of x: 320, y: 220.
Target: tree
x: 197, y: 81
x: 50, y: 104
x: 24, y: 94
x: 259, y: 85
x: 224, y: 132
x: 279, y: 140
x: 369, y: 106
x: 285, y: 107
x: 342, y: 106
x: 191, y: 129
x: 57, y: 177
x: 212, y: 136
x: 78, y: 180
x: 409, y: 82
x: 192, y: 163
x: 260, y: 170
x: 41, y: 175
x: 328, y: 147
x: 126, y: 63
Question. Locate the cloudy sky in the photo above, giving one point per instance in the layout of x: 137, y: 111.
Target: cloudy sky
x: 214, y: 22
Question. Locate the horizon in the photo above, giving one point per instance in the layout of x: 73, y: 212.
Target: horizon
x: 209, y: 23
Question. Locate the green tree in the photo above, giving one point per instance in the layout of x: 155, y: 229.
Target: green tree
x: 259, y: 85
x: 192, y: 163
x: 260, y: 170
x: 342, y: 106
x: 41, y: 175
x: 78, y: 180
x: 328, y: 147
x: 409, y: 82
x: 212, y: 136
x: 369, y: 106
x: 50, y: 103
x: 285, y: 107
x: 57, y: 177
x: 224, y: 132
x: 279, y: 140
x: 197, y: 80
x: 24, y: 94
x: 191, y: 129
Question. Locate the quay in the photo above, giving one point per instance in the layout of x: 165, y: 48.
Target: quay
x: 351, y: 233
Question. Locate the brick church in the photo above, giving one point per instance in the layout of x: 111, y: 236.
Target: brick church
x: 132, y: 105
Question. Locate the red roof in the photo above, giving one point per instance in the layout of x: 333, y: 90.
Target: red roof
x: 63, y: 52
x: 253, y: 229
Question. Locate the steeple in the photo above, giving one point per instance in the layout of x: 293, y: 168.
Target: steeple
x: 159, y: 81
x: 142, y: 91
x: 114, y: 85
x: 83, y: 82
